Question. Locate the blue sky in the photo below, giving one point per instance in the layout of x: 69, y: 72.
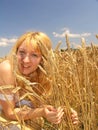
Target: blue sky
x: 77, y: 18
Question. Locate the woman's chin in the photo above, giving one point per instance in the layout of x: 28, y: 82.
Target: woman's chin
x: 26, y: 73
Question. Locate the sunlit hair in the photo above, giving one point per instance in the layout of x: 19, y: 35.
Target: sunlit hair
x: 39, y: 42
x: 34, y: 39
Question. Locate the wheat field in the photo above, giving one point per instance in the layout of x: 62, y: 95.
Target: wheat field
x: 74, y: 75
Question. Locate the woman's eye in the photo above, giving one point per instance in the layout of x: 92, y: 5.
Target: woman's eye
x: 21, y: 53
x: 34, y: 55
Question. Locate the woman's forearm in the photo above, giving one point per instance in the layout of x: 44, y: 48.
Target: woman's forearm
x: 25, y: 113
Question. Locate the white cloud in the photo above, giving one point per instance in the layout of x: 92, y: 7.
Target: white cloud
x: 67, y: 31
x: 6, y: 41
x: 79, y: 35
x: 3, y: 43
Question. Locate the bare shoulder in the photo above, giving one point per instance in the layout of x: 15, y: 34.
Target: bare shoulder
x: 6, y: 75
x: 5, y: 66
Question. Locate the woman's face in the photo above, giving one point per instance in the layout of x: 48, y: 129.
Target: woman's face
x: 28, y: 59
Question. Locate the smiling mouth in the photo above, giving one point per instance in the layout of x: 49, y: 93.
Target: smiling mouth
x: 25, y: 66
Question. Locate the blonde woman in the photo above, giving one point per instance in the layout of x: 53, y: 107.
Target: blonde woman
x: 24, y: 64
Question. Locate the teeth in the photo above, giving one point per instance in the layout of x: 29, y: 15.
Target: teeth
x: 25, y: 66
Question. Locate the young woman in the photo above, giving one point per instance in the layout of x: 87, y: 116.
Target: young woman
x: 21, y: 76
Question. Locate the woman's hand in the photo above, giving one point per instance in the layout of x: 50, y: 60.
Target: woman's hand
x: 53, y: 115
x: 74, y: 117
x: 71, y: 115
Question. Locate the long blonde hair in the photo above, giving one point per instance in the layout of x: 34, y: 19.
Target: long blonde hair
x: 34, y: 38
x: 41, y: 43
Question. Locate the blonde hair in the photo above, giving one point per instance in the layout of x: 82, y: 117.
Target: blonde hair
x: 41, y: 43
x: 34, y: 39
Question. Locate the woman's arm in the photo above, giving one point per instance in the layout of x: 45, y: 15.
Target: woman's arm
x: 24, y: 113
x: 51, y: 114
x: 7, y: 99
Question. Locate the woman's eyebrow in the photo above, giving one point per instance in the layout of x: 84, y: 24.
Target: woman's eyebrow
x: 21, y: 48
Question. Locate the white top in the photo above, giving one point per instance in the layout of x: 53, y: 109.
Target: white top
x: 7, y: 97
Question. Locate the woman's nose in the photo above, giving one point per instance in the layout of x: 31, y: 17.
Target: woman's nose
x: 26, y: 58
